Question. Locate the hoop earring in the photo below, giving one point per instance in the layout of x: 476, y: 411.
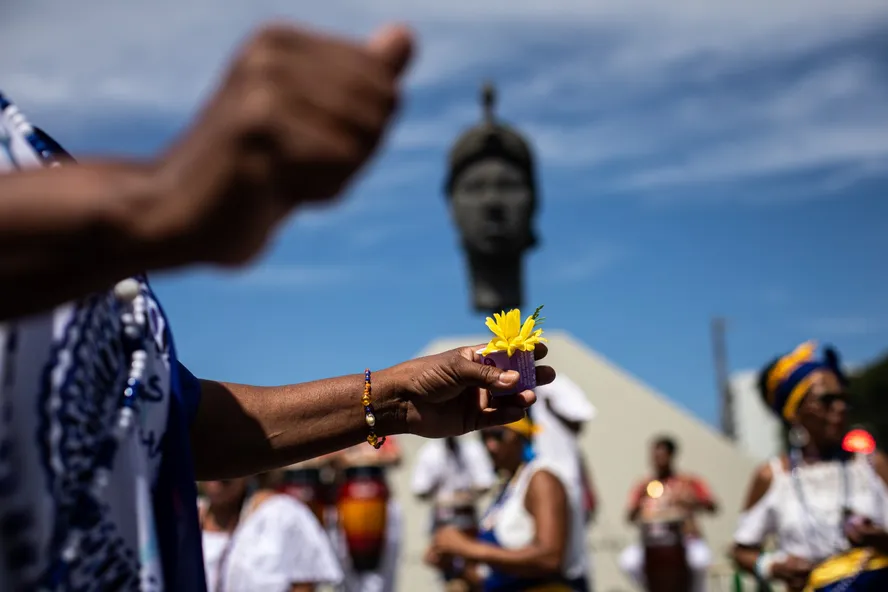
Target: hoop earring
x: 798, y: 437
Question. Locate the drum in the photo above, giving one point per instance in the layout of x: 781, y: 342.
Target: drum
x: 666, y: 566
x: 305, y: 485
x: 362, y: 506
x: 460, y: 513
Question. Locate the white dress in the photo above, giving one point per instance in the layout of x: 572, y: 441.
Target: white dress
x: 280, y: 544
x: 814, y: 534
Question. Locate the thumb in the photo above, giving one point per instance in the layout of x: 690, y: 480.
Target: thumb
x: 394, y: 44
x: 471, y: 373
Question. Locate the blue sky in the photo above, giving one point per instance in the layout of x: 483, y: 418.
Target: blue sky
x: 696, y: 159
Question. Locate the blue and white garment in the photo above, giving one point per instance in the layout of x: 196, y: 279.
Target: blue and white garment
x: 508, y: 524
x: 61, y: 377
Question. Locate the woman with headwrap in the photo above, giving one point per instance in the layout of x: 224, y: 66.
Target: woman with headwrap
x: 825, y: 506
x: 531, y: 538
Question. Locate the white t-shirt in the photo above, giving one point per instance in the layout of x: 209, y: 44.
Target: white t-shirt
x: 555, y: 443
x: 62, y: 378
x: 280, y: 544
x: 440, y: 472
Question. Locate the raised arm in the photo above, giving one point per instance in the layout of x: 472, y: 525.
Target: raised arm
x: 69, y: 231
x: 296, y: 116
x: 747, y: 553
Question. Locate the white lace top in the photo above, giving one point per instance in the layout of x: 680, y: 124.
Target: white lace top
x: 810, y: 525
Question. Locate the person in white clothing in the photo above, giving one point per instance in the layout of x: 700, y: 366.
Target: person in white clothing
x: 562, y: 409
x: 262, y: 540
x: 825, y: 502
x: 453, y: 473
x: 531, y: 536
x: 450, y: 466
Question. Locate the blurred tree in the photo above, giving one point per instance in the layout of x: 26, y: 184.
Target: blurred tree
x: 869, y: 389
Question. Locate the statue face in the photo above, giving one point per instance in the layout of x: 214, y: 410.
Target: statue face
x: 491, y: 204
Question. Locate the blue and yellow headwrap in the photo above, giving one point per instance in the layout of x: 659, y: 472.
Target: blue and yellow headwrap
x: 787, y: 380
x: 525, y: 428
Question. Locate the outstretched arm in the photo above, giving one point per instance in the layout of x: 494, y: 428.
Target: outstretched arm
x: 241, y: 429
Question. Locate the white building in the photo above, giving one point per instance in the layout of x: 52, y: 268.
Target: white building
x: 757, y: 429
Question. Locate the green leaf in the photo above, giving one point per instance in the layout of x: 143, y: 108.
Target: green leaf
x: 536, y: 315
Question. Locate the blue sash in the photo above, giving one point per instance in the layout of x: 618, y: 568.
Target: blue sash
x: 499, y: 581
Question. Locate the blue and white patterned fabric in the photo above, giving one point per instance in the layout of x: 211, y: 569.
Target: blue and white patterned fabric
x: 61, y: 376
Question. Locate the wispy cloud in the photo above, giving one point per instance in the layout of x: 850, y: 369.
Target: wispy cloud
x: 643, y: 98
x: 588, y: 264
x: 291, y: 277
x: 846, y: 326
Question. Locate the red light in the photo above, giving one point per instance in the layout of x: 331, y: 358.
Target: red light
x: 859, y: 441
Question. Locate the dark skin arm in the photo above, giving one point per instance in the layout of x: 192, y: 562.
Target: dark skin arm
x: 278, y: 426
x: 746, y: 556
x: 869, y: 534
x: 793, y: 571
x: 73, y: 230
x: 243, y: 430
x: 634, y: 511
x: 546, y: 501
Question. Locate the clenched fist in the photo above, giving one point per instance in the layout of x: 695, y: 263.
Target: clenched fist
x: 296, y: 116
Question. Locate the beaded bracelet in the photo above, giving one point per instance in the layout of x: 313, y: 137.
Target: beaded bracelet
x: 372, y: 439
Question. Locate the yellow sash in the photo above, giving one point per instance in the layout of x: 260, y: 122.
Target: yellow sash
x: 846, y: 565
x: 551, y: 588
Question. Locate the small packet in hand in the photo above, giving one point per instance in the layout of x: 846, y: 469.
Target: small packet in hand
x: 512, y: 347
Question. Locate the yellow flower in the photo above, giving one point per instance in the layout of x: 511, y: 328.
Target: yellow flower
x: 510, y: 335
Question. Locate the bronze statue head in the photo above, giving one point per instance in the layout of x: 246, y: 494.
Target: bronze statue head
x: 491, y: 187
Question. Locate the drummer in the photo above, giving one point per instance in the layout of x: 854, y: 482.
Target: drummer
x: 667, y: 492
x: 453, y: 473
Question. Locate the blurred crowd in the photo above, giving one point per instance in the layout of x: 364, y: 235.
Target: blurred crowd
x: 812, y: 518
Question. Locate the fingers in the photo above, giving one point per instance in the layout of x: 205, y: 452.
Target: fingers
x: 394, y: 45
x: 499, y: 416
x: 540, y: 351
x: 505, y: 409
x: 545, y: 374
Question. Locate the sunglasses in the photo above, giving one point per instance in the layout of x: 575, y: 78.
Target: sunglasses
x: 828, y: 400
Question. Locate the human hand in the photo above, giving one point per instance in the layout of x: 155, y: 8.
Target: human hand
x: 432, y: 558
x: 794, y: 571
x: 862, y: 532
x: 447, y: 394
x: 296, y: 116
x: 449, y: 540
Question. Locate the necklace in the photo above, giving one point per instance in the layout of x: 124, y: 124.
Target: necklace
x: 134, y: 320
x: 795, y: 459
x: 132, y: 309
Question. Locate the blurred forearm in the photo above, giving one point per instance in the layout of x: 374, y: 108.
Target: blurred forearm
x: 68, y: 231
